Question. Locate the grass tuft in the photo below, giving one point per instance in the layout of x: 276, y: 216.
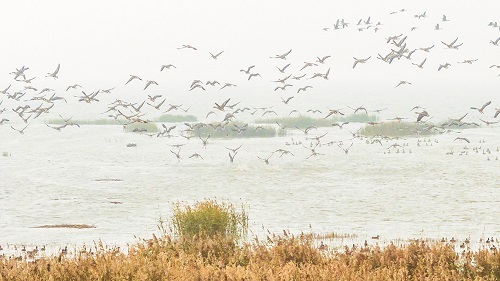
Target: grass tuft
x: 209, y: 218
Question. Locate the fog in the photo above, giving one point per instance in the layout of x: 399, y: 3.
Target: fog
x: 100, y: 43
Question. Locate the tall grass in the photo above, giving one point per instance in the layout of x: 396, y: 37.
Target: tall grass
x: 286, y: 257
x: 210, y: 218
x: 396, y: 129
x: 169, y: 118
x: 306, y: 121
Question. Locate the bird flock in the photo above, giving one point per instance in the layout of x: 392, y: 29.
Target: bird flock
x: 24, y: 98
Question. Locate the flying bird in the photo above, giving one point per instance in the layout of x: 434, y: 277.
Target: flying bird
x: 133, y: 77
x: 150, y: 82
x: 421, y: 115
x: 282, y: 70
x: 167, y: 66
x: 187, y: 46
x: 403, y: 83
x: 217, y: 55
x: 322, y: 60
x: 253, y: 75
x: 462, y: 139
x: 421, y: 65
x: 285, y: 101
x: 282, y: 56
x: 482, y: 108
x: 54, y: 74
x: 247, y: 71
x: 356, y: 61
x: 446, y: 65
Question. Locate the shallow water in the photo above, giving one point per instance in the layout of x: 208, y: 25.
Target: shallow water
x: 53, y: 177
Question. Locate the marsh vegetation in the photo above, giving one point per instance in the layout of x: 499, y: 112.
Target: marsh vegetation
x: 170, y: 118
x: 397, y: 129
x: 204, y: 246
x: 307, y: 121
x: 240, y: 130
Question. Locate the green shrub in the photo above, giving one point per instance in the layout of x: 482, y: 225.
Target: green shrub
x: 209, y: 219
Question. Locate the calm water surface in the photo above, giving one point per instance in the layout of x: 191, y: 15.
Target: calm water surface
x: 54, y: 177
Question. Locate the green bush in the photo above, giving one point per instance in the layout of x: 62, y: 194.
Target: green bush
x: 209, y: 219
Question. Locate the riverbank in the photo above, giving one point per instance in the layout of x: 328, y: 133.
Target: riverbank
x: 278, y: 257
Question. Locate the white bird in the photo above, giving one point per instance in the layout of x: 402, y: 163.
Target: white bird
x: 446, y: 65
x: 356, y: 61
x: 133, y: 77
x: 403, y: 83
x: 283, y: 56
x: 167, y: 66
x: 149, y: 82
x: 421, y: 65
x: 217, y: 55
x: 54, y: 74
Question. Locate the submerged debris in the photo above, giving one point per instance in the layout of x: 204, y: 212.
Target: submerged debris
x: 77, y: 226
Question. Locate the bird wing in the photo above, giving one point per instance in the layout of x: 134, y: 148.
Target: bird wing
x: 485, y: 105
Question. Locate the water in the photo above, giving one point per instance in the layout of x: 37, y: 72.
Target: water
x: 55, y: 177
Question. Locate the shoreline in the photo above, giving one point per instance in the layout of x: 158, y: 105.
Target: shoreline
x: 284, y: 257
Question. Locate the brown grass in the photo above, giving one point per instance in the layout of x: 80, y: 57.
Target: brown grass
x: 285, y: 257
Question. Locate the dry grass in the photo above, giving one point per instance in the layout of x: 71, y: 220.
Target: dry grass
x: 284, y: 257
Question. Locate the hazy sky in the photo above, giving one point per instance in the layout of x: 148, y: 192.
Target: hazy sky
x: 100, y: 43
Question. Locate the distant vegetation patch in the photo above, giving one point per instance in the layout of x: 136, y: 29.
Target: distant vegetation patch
x: 6, y: 154
x: 88, y: 122
x: 397, y: 129
x: 77, y: 226
x: 239, y: 130
x: 298, y: 121
x: 356, y: 118
x: 169, y: 118
x: 141, y: 128
x: 306, y: 121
